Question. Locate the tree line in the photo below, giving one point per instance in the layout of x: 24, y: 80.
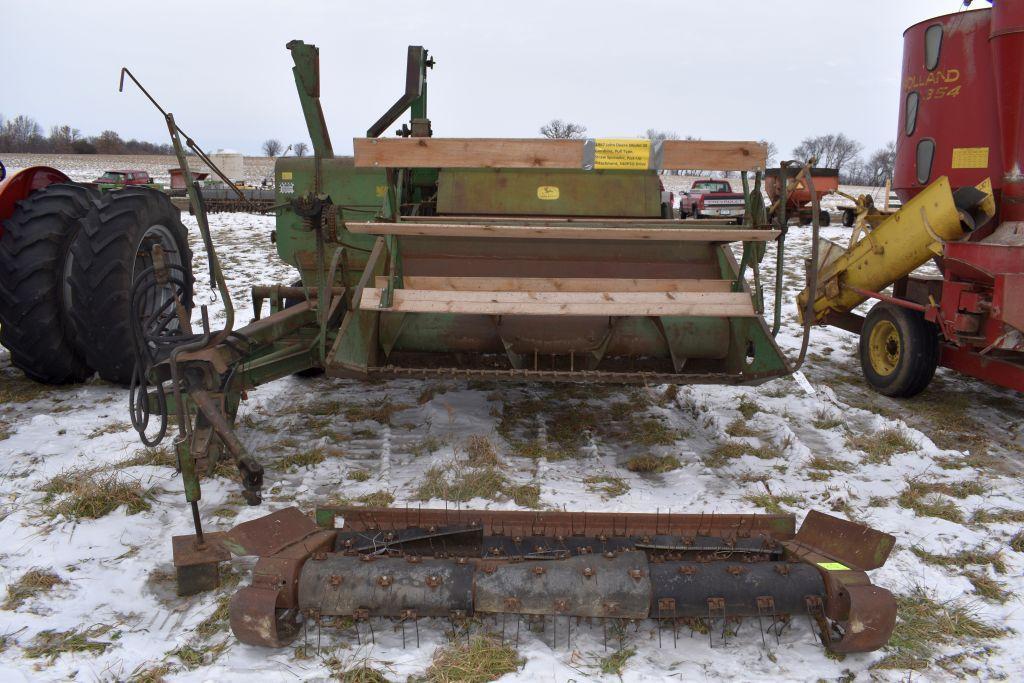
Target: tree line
x: 832, y: 150
x: 24, y: 134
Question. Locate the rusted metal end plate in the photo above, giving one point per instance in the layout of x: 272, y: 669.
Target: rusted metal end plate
x: 270, y: 533
x: 871, y: 620
x: 255, y: 619
x: 527, y: 523
x: 196, y: 566
x: 856, y: 546
x: 585, y: 586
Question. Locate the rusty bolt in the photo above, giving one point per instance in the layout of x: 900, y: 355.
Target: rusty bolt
x: 348, y: 542
x: 782, y: 569
x: 408, y: 614
x: 560, y: 538
x: 335, y: 580
x: 636, y: 574
x: 645, y: 539
x: 366, y: 558
x: 384, y: 580
x: 602, y: 538
x: 688, y: 570
x: 538, y: 570
x: 588, y: 572
x: 766, y: 603
x: 666, y: 604
x: 432, y: 530
x: 461, y: 560
x: 319, y: 556
x: 517, y: 539
x: 495, y: 550
x: 389, y: 536
x: 488, y: 568
x: 413, y: 559
x: 433, y: 581
x: 360, y: 614
x: 512, y: 604
x: 610, y: 555
x: 735, y: 569
x: 561, y: 605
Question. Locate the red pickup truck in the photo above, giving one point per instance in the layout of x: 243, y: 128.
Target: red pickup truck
x: 712, y: 198
x: 120, y: 178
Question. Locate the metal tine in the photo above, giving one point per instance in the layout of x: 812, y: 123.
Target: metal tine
x: 711, y: 629
x: 519, y: 619
x: 604, y: 626
x: 319, y: 624
x: 416, y: 626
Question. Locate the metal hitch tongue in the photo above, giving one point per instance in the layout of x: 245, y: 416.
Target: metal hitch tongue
x: 704, y: 572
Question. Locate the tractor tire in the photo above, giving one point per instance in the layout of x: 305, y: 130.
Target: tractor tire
x: 849, y: 217
x: 35, y: 246
x: 114, y: 244
x: 899, y: 350
x: 824, y: 219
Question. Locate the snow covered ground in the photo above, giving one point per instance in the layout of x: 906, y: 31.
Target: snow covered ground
x: 88, y: 167
x: 941, y: 472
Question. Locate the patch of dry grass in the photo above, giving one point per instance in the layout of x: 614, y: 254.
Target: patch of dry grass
x: 218, y: 619
x: 773, y: 502
x: 931, y: 499
x: 739, y: 427
x: 963, y: 558
x: 457, y: 484
x: 748, y: 407
x: 32, y: 583
x: 484, y: 658
x: 51, y: 644
x: 358, y: 475
x: 880, y: 446
x: 480, y: 451
x: 109, y: 428
x: 923, y: 625
x: 997, y: 516
x: 380, y: 410
x: 156, y: 456
x: 304, y: 458
x: 376, y: 499
x: 657, y: 464
x: 614, y: 663
x: 524, y: 495
x: 535, y: 450
x: 824, y: 419
x: 91, y: 494
x: 193, y: 656
x: 606, y: 485
x: 154, y: 673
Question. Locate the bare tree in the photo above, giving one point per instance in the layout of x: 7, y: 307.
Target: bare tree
x: 109, y: 142
x: 63, y: 138
x: 654, y: 134
x: 300, y: 149
x: 21, y: 134
x: 880, y: 165
x: 563, y: 130
x: 833, y: 150
x: 271, y: 147
x: 773, y: 152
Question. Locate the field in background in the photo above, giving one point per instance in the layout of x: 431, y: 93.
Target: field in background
x: 87, y: 167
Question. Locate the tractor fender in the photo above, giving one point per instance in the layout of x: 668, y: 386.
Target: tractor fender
x: 23, y: 183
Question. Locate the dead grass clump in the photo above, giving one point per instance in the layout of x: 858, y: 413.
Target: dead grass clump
x: 739, y: 427
x: 156, y: 673
x: 32, y: 583
x: 535, y: 450
x: 110, y: 428
x: 669, y: 395
x: 381, y: 410
x: 879, y: 447
x: 926, y: 498
x: 653, y: 431
x: 607, y: 486
x: 525, y: 495
x: 987, y: 587
x: 195, y: 656
x: 961, y: 559
x: 1017, y: 542
x: 614, y: 663
x: 823, y: 419
x: 358, y: 475
x: 461, y: 484
x: 484, y: 658
x: 828, y: 463
x: 358, y: 673
x: 481, y: 451
x: 724, y: 452
x: 429, y: 392
x: 924, y: 624
x: 157, y: 456
x: 52, y: 644
x: 377, y: 499
x: 773, y: 502
x: 426, y: 446
x: 997, y: 516
x: 217, y: 621
x: 307, y: 458
x: 653, y: 463
x: 748, y: 407
x: 91, y: 494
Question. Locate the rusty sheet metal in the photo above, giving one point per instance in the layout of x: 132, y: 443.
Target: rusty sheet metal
x: 611, y: 585
x: 338, y: 585
x: 558, y: 523
x: 270, y: 533
x: 196, y: 565
x: 871, y: 620
x: 255, y: 619
x: 854, y: 545
x: 683, y: 589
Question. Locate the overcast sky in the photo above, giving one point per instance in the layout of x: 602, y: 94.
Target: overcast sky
x: 773, y: 69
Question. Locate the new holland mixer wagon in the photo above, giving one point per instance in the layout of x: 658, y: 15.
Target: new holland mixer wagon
x: 514, y: 260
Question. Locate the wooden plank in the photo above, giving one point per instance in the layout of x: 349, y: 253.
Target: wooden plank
x: 707, y: 155
x: 562, y: 232
x: 734, y: 304
x: 712, y: 155
x: 560, y: 284
x: 562, y: 220
x: 467, y: 153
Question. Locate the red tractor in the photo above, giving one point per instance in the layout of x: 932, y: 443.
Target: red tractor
x: 68, y: 256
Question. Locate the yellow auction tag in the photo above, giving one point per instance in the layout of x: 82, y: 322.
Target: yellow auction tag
x: 286, y: 175
x: 624, y: 154
x: 970, y: 157
x: 380, y: 190
x: 834, y: 566
x: 547, y: 192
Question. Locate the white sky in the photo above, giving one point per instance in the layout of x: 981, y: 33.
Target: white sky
x: 708, y: 69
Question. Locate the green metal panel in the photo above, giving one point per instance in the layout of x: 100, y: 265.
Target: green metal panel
x: 549, y: 192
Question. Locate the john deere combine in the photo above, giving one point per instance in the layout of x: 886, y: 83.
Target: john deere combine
x: 522, y: 260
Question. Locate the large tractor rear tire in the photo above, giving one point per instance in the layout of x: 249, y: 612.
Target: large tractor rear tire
x: 35, y: 258
x: 899, y: 350
x: 113, y: 247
